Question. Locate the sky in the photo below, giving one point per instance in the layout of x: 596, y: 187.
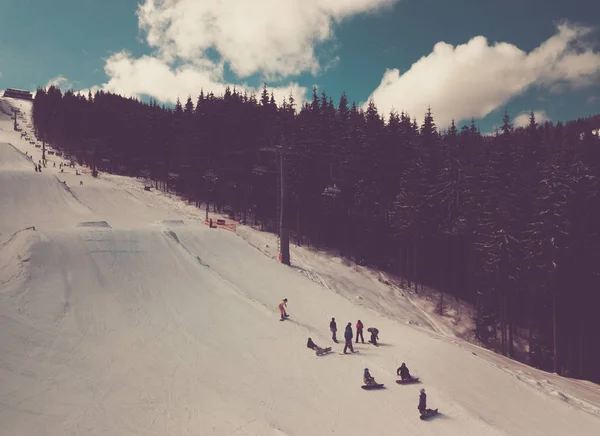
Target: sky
x: 464, y: 58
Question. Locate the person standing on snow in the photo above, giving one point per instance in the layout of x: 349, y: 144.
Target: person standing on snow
x: 359, y: 331
x: 422, y: 402
x: 348, y: 335
x: 333, y: 328
x: 282, y: 307
x: 374, y: 335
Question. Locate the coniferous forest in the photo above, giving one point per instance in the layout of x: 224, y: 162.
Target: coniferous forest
x: 509, y: 222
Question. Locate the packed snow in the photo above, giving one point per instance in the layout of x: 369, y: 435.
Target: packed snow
x: 121, y: 312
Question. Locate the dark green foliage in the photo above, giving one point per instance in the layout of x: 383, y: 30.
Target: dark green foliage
x: 509, y: 222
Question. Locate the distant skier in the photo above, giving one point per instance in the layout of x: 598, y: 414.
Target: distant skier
x: 359, y: 331
x: 374, y: 335
x: 333, y: 328
x: 368, y: 378
x: 403, y: 372
x: 282, y: 307
x: 348, y: 335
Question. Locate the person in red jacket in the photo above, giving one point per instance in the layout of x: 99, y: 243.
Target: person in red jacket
x: 359, y: 331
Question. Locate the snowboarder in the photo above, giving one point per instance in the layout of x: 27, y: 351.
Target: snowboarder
x: 403, y: 372
x: 333, y: 328
x: 282, y: 307
x: 422, y: 402
x: 423, y: 410
x: 310, y: 344
x: 368, y: 378
x: 348, y: 335
x: 374, y: 335
x: 359, y: 331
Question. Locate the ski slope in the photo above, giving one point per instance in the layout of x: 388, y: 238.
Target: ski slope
x: 143, y: 321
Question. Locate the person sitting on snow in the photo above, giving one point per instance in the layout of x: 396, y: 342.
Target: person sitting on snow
x: 310, y: 344
x: 403, y: 372
x: 367, y: 378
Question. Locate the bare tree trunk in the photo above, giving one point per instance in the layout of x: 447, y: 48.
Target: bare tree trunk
x: 503, y: 323
x: 511, y: 328
x: 554, y: 334
x: 581, y: 335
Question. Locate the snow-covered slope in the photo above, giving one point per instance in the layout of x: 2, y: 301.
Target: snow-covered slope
x: 143, y: 321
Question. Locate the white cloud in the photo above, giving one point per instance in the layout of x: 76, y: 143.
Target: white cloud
x: 522, y: 120
x: 60, y: 82
x: 474, y: 79
x: 273, y: 38
x: 133, y: 77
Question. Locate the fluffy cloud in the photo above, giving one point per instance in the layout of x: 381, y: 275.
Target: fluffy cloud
x: 474, y: 79
x: 60, y: 82
x: 273, y: 38
x: 148, y: 75
x: 522, y: 119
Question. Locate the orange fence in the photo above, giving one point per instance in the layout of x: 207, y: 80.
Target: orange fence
x: 222, y: 224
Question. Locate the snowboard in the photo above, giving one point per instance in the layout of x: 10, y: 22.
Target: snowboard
x: 429, y: 413
x: 325, y: 351
x: 375, y: 386
x: 352, y: 352
x: 283, y: 319
x: 407, y: 381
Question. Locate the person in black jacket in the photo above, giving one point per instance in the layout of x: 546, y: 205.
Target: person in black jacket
x: 423, y: 404
x: 310, y: 344
x: 333, y: 328
x: 374, y: 335
x: 348, y: 335
x: 403, y: 372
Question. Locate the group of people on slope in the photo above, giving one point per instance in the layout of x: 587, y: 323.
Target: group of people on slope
x: 404, y: 373
x: 349, y: 335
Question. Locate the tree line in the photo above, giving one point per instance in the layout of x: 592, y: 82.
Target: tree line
x: 508, y: 222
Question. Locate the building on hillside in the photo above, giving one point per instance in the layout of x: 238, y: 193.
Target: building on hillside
x: 18, y: 93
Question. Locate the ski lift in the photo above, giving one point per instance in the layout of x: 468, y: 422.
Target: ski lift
x: 332, y: 191
x: 259, y: 170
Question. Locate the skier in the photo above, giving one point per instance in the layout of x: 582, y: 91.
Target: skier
x: 333, y: 328
x: 348, y: 336
x: 359, y: 331
x: 404, y: 372
x: 368, y: 378
x: 374, y: 335
x: 282, y: 307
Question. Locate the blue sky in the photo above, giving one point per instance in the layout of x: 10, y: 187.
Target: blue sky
x: 336, y: 45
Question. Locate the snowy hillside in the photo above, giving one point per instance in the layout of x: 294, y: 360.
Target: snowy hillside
x: 123, y: 314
